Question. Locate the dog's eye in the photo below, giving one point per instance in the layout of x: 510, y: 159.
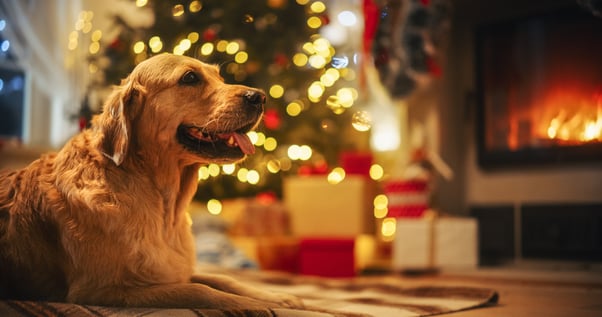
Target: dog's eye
x: 190, y: 78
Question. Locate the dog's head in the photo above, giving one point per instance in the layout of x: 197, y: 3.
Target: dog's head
x: 178, y: 106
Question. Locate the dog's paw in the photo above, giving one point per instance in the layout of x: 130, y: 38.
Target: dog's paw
x: 288, y: 301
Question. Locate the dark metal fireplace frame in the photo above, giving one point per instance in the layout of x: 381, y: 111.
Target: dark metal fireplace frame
x: 532, y: 156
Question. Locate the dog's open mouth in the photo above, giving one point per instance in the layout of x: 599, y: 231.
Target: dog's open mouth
x: 218, y: 144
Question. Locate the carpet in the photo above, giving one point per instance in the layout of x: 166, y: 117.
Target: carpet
x: 361, y: 296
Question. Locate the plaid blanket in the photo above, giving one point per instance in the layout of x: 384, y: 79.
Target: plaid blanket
x: 362, y: 296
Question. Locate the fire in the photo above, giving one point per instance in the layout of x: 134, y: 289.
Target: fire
x: 579, y: 126
x: 576, y: 128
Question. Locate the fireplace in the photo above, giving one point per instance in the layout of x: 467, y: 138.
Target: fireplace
x: 539, y: 88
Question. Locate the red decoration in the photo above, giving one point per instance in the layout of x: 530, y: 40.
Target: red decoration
x: 433, y: 67
x: 272, y: 119
x: 407, y: 199
x: 330, y: 257
x: 209, y: 35
x: 266, y: 198
x: 281, y: 60
x: 371, y: 19
x: 356, y: 163
x: 83, y: 122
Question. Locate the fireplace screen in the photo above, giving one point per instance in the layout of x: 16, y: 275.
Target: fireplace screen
x: 539, y: 83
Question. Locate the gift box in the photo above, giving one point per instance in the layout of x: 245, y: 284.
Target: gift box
x: 279, y: 253
x: 317, y: 208
x: 435, y: 243
x: 407, y: 198
x: 329, y: 257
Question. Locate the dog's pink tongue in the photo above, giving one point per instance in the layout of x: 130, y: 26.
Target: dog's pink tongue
x: 244, y: 143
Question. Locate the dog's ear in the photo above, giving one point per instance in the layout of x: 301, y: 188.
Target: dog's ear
x: 115, y: 121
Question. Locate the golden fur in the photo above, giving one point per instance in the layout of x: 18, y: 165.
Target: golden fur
x: 103, y: 221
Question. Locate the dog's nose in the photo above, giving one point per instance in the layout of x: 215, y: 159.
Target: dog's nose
x: 254, y: 98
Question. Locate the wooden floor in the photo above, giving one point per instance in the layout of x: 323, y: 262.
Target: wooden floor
x: 528, y: 292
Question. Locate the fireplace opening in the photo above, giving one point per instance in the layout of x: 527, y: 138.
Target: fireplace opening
x: 539, y: 84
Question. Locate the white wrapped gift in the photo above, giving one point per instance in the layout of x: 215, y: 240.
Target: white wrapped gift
x: 435, y: 243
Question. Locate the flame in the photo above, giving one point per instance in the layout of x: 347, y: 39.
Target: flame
x: 580, y: 125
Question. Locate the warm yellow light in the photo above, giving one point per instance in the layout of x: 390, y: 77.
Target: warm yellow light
x: 380, y: 213
x: 273, y: 166
x: 193, y: 37
x: 228, y: 168
x: 332, y: 102
x: 79, y: 25
x: 252, y: 136
x: 141, y: 3
x: 317, y: 61
x: 309, y: 48
x: 388, y: 228
x: 276, y: 91
x: 314, y: 22
x: 232, y: 48
x: 321, y: 45
x: 270, y: 144
x: 315, y: 91
x: 185, y: 44
x: 293, y: 152
x: 94, y: 47
x: 221, y: 46
x: 214, y: 206
x: 87, y: 27
x: 336, y: 176
x: 260, y: 139
x: 376, y: 172
x: 139, y: 47
x: 213, y: 169
x: 334, y: 73
x: 241, y: 57
x: 381, y: 201
x: 253, y: 177
x: 155, y: 44
x: 317, y: 7
x: 96, y: 36
x: 207, y: 49
x: 302, y: 2
x: 203, y: 173
x: 293, y: 109
x: 195, y: 6
x: 345, y: 96
x: 300, y: 59
x: 242, y: 175
x: 178, y: 50
x: 305, y: 152
x: 177, y: 10
x: 327, y: 80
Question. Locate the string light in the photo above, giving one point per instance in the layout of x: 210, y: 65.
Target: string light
x: 388, y: 228
x: 376, y: 172
x: 195, y: 6
x: 336, y: 176
x: 214, y: 206
x: 228, y: 168
x: 317, y: 7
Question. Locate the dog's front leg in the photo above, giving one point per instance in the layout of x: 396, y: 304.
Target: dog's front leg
x: 185, y: 295
x: 230, y: 285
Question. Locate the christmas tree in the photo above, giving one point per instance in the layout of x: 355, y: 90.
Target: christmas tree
x: 270, y: 44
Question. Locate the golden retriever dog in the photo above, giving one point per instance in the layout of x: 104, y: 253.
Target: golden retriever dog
x: 103, y: 221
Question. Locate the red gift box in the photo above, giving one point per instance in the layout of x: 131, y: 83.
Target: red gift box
x: 329, y: 257
x: 407, y: 198
x: 356, y: 163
